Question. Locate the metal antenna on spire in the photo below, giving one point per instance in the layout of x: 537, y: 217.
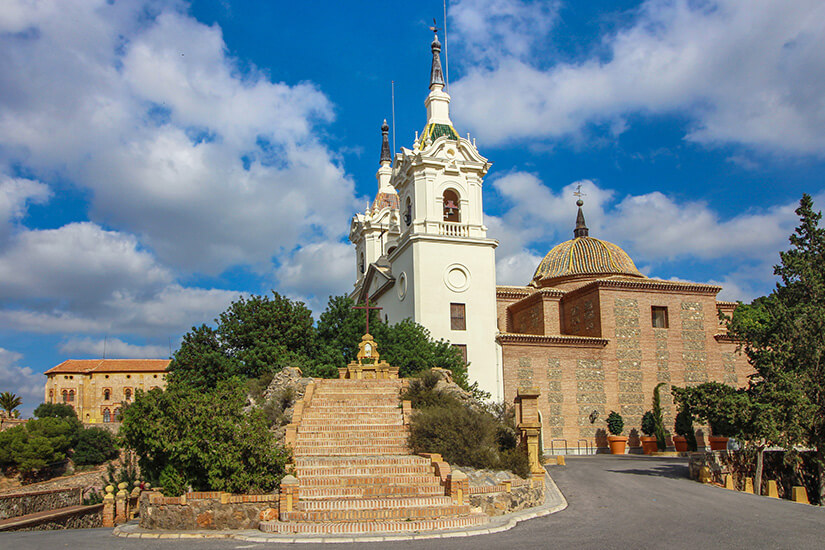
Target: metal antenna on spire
x: 105, y: 339
x: 392, y: 85
x: 446, y: 51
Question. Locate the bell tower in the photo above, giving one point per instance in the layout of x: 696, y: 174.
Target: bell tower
x: 439, y: 268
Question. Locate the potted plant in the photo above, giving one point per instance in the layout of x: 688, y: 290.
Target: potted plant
x: 615, y: 425
x: 685, y: 440
x: 649, y: 443
x: 721, y: 430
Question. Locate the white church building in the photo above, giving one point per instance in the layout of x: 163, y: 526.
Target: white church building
x: 422, y: 250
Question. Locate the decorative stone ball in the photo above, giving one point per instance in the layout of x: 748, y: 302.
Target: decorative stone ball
x: 109, y: 489
x: 122, y: 485
x: 146, y: 485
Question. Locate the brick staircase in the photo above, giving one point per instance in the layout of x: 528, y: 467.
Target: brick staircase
x: 355, y: 472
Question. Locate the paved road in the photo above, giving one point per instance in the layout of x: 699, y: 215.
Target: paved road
x: 615, y: 503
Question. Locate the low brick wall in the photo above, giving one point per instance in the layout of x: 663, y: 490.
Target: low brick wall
x: 213, y: 510
x: 495, y: 500
x: 86, y: 517
x: 20, y: 504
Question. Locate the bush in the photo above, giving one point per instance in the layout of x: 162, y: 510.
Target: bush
x: 54, y: 410
x: 683, y: 425
x: 274, y: 410
x: 421, y: 392
x: 464, y: 435
x: 615, y: 423
x: 94, y: 446
x: 649, y: 424
x: 38, y: 443
x: 202, y: 438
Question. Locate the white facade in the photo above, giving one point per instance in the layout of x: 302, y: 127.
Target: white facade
x: 429, y: 256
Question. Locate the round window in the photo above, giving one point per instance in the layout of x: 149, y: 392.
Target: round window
x: 402, y: 286
x: 457, y: 277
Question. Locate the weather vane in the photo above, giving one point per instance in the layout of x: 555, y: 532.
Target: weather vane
x: 579, y: 194
x: 435, y: 28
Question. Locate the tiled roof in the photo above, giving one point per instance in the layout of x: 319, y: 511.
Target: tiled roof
x: 86, y: 366
x: 585, y: 256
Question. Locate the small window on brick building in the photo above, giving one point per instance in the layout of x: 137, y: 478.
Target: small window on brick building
x: 127, y: 393
x: 462, y: 349
x: 71, y: 396
x: 107, y: 394
x: 659, y: 315
x: 457, y: 318
x: 107, y: 415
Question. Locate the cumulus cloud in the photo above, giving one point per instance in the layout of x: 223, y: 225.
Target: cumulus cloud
x: 316, y: 271
x: 15, y: 195
x: 81, y: 278
x: 748, y: 73
x: 208, y: 163
x: 112, y: 348
x: 20, y: 380
x: 656, y: 230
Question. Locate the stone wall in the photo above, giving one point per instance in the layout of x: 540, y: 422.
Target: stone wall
x: 500, y: 501
x: 20, y: 504
x: 87, y: 517
x: 198, y: 511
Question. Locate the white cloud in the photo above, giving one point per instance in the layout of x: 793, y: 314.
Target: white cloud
x: 22, y: 381
x: 654, y: 229
x: 80, y: 278
x: 15, y: 195
x: 207, y: 163
x: 316, y: 271
x: 750, y: 73
x: 112, y: 348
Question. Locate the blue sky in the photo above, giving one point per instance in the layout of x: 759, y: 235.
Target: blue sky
x: 158, y: 158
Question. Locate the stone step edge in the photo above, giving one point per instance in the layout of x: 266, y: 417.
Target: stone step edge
x: 373, y: 503
x: 381, y: 514
x: 373, y: 527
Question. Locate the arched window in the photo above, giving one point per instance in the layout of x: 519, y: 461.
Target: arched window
x: 361, y: 264
x: 107, y: 394
x: 127, y: 393
x: 51, y: 396
x: 452, y: 206
x: 391, y: 250
x: 65, y: 396
x: 408, y: 211
x: 107, y: 416
x: 71, y: 396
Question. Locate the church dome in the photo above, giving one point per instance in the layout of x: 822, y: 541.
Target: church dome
x: 585, y: 255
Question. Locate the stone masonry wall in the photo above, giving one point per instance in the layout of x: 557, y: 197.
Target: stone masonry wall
x: 502, y: 502
x: 241, y: 512
x: 20, y: 504
x: 87, y: 517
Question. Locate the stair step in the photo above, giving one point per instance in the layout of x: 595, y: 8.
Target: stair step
x: 326, y: 427
x: 368, y: 480
x: 374, y: 503
x: 382, y: 470
x: 276, y: 526
x: 348, y: 451
x: 380, y: 514
x: 399, y: 459
x: 371, y: 491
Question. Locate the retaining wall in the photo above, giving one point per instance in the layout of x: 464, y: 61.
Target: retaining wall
x: 20, y: 504
x: 213, y: 510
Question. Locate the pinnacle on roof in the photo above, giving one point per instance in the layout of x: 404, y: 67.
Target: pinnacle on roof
x: 436, y: 74
x: 581, y: 228
x: 386, y: 156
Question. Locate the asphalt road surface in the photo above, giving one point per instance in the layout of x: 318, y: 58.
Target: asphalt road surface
x: 614, y: 503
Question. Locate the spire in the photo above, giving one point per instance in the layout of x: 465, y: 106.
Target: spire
x: 436, y: 74
x: 581, y: 228
x: 386, y: 156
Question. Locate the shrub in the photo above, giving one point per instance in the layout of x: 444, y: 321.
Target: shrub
x: 94, y: 446
x: 649, y: 424
x: 464, y: 435
x: 274, y: 410
x: 683, y: 425
x: 54, y: 410
x: 202, y: 438
x: 38, y: 443
x: 615, y: 423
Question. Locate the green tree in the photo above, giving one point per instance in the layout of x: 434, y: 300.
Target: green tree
x: 340, y: 329
x: 9, y: 402
x: 202, y: 438
x: 258, y: 330
x: 201, y: 360
x: 38, y: 443
x: 94, y: 446
x: 55, y: 410
x: 783, y: 336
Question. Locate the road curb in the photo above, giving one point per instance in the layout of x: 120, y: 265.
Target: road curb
x: 554, y: 501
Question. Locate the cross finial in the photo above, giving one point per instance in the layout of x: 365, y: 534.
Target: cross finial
x: 368, y: 307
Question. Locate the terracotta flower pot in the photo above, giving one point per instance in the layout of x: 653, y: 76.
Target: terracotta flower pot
x: 680, y: 442
x: 718, y: 443
x: 617, y: 444
x: 649, y: 445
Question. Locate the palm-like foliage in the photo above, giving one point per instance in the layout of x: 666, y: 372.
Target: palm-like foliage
x: 9, y: 402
